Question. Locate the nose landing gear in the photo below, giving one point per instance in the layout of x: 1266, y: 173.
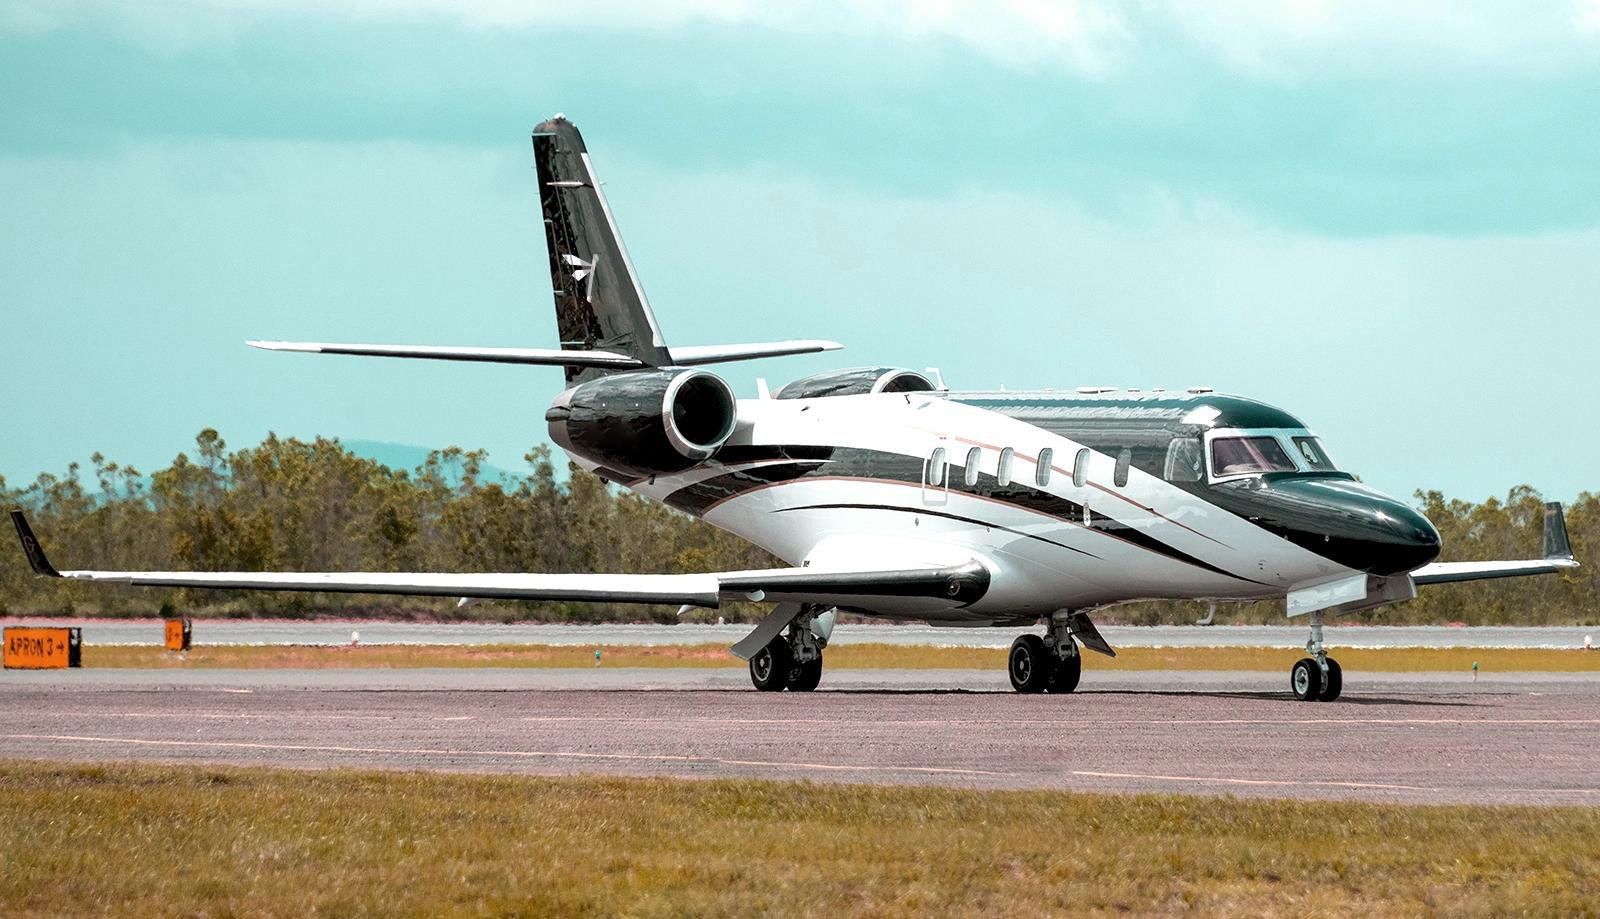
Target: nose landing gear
x: 1317, y: 678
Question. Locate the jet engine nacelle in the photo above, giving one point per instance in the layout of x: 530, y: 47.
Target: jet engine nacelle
x: 854, y: 382
x: 647, y: 421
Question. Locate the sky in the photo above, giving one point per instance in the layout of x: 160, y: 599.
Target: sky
x: 1386, y: 221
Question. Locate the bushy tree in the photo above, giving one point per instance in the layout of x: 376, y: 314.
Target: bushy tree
x: 287, y: 504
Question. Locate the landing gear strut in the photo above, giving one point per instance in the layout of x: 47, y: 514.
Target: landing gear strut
x: 793, y: 660
x: 1051, y: 663
x: 1318, y: 677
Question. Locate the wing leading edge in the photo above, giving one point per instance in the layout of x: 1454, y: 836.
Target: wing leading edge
x: 1557, y: 558
x: 961, y: 584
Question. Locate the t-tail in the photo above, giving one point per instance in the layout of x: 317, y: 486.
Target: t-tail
x: 600, y: 305
x: 602, y: 317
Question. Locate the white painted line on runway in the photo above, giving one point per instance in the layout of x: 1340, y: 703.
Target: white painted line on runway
x: 528, y: 754
x: 843, y: 721
x: 1298, y: 783
x: 1063, y: 722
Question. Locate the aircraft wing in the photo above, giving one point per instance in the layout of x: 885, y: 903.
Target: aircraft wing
x: 957, y: 584
x: 1557, y: 557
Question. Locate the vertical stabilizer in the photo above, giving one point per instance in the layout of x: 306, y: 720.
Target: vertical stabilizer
x: 599, y: 303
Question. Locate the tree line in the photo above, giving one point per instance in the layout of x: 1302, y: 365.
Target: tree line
x: 293, y: 505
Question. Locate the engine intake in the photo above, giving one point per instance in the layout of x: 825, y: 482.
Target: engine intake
x: 646, y: 421
x: 855, y: 382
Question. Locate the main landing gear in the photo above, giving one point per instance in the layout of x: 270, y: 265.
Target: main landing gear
x: 793, y: 660
x: 1316, y: 678
x: 1049, y: 663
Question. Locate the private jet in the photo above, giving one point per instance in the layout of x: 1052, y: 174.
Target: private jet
x: 890, y: 495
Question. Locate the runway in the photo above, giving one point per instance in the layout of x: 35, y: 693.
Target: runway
x: 379, y: 632
x: 1392, y: 741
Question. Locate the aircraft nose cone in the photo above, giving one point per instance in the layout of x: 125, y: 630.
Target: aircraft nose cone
x: 1347, y: 522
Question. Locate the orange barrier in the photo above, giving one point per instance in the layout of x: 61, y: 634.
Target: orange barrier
x: 178, y: 632
x: 34, y: 648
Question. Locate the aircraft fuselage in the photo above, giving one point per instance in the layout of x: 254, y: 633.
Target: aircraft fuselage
x: 1074, y: 500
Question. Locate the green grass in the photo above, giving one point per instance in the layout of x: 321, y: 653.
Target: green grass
x: 840, y: 657
x: 201, y: 840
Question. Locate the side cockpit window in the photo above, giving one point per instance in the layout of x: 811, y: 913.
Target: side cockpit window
x: 1185, y: 461
x: 1316, y: 458
x: 1246, y: 455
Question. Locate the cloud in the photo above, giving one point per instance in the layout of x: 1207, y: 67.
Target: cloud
x: 1282, y: 37
x: 1088, y: 37
x: 1082, y: 35
x: 1587, y: 16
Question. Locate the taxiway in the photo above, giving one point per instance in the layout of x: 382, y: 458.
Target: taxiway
x: 1396, y: 739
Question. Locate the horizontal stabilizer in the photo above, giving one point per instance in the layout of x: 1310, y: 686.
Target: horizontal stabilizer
x: 558, y: 357
x: 962, y: 584
x: 1557, y: 557
x: 716, y: 354
x: 554, y: 357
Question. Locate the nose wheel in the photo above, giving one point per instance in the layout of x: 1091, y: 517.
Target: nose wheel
x: 1317, y: 678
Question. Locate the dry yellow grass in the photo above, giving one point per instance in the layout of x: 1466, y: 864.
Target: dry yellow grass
x: 848, y: 657
x: 211, y: 841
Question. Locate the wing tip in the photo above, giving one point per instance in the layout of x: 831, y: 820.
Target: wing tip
x: 1557, y: 544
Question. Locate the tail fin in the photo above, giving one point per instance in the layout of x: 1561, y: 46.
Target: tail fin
x: 599, y: 303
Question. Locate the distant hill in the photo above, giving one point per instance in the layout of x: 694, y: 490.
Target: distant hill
x: 410, y: 456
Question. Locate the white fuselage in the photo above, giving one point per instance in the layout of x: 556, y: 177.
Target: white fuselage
x: 836, y: 514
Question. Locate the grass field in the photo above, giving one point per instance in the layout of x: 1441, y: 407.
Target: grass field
x: 201, y: 840
x: 850, y: 657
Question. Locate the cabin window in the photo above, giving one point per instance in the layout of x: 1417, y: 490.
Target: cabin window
x: 1041, y: 472
x: 1185, y: 461
x: 970, y: 476
x: 1311, y: 451
x: 1080, y: 467
x: 1244, y: 455
x: 936, y: 468
x: 1002, y: 469
x: 1124, y: 460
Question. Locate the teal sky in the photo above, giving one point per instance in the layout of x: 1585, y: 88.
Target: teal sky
x: 1387, y: 224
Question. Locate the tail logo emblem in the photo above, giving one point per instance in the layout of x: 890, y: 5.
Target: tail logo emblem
x: 586, y: 272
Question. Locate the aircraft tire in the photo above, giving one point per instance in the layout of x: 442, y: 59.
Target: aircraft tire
x: 1305, y: 680
x: 1065, y: 677
x: 1030, y: 664
x: 769, y: 669
x: 804, y: 677
x: 1335, y: 682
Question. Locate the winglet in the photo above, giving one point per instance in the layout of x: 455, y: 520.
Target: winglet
x: 31, y: 548
x: 1556, y: 544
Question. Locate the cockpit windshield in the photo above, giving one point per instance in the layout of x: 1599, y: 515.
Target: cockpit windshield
x: 1241, y: 455
x: 1315, y: 457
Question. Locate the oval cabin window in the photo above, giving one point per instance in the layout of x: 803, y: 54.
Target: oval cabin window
x: 935, y: 473
x: 1002, y: 471
x: 1124, y: 460
x: 1041, y: 472
x: 1080, y: 468
x: 970, y: 476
